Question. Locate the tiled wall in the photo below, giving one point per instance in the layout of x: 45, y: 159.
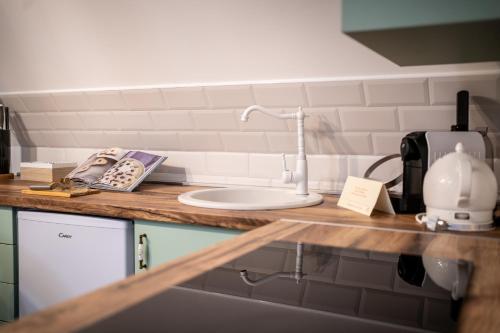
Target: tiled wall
x: 199, y: 127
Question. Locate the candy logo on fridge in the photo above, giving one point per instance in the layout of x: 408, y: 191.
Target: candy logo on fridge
x: 61, y: 235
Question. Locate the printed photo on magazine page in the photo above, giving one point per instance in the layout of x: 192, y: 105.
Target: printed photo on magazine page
x: 129, y: 171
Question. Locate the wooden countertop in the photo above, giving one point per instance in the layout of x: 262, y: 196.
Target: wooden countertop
x: 325, y: 224
x: 158, y: 202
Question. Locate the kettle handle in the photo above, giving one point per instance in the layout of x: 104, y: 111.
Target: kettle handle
x: 464, y: 181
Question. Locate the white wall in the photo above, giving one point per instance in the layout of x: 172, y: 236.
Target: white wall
x: 75, y: 44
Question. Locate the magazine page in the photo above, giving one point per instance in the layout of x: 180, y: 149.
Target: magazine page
x: 96, y: 165
x: 129, y: 171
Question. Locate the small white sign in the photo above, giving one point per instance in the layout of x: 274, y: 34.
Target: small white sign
x: 365, y: 195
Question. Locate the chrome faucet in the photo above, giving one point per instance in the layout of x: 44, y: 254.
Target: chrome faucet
x: 299, y: 176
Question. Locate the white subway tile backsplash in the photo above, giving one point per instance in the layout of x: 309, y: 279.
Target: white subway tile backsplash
x: 144, y: 99
x: 286, y: 142
x: 200, y: 141
x: 258, y: 121
x: 397, y: 92
x: 39, y: 102
x: 99, y: 120
x: 227, y: 164
x: 59, y: 139
x: 71, y: 101
x: 247, y: 181
x: 33, y: 121
x: 280, y: 95
x: 318, y: 119
x: 230, y: 96
x: 419, y: 118
x: 190, y: 162
x: 35, y: 139
x: 185, y: 98
x: 160, y: 140
x: 131, y: 120
x: 335, y: 93
x: 484, y: 116
x: 327, y: 167
x: 79, y: 155
x: 64, y: 120
x: 172, y: 120
x: 443, y: 90
x: 90, y: 139
x: 106, y: 100
x: 14, y: 103
x: 254, y: 142
x: 129, y: 139
x: 45, y: 154
x: 369, y: 119
x: 387, y: 143
x: 215, y: 120
x: 189, y: 124
x: 344, y: 143
x: 265, y: 165
x: 389, y: 170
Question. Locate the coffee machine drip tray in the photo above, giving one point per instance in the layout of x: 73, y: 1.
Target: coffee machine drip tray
x: 297, y: 287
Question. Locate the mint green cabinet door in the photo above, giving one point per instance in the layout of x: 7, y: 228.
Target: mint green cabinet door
x: 7, y: 268
x: 7, y: 301
x: 7, y: 227
x: 167, y: 241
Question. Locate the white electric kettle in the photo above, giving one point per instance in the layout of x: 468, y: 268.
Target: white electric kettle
x: 460, y: 193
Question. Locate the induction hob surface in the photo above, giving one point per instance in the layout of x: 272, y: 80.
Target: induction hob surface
x: 296, y: 287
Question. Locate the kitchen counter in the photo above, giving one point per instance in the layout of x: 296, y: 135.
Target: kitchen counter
x: 325, y: 224
x: 158, y: 202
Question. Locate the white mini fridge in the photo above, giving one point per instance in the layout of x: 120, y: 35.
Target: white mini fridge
x: 63, y: 256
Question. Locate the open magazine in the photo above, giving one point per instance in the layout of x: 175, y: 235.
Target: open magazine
x: 115, y: 169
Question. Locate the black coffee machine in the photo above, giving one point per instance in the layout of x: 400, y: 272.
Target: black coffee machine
x: 420, y: 149
x: 4, y: 140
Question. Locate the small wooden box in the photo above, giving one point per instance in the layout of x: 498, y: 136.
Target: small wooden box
x: 46, y: 171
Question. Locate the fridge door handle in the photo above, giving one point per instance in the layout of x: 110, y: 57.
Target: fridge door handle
x: 141, y: 252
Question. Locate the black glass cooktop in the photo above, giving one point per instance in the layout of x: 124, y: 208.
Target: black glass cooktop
x: 295, y: 287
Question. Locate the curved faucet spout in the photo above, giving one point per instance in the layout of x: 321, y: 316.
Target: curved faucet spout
x: 250, y: 109
x: 299, y: 176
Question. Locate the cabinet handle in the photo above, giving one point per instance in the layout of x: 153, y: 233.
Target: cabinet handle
x: 141, y: 252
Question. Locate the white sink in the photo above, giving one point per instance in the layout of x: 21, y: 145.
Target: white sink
x: 243, y: 198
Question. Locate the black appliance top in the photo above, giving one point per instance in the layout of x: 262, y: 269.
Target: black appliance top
x: 295, y: 287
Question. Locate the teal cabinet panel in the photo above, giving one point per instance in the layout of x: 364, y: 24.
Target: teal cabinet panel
x: 362, y: 15
x: 7, y: 268
x: 168, y: 241
x: 426, y: 32
x: 7, y: 302
x: 7, y: 227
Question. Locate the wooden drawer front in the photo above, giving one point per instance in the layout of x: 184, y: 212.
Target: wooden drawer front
x: 167, y: 241
x: 7, y: 235
x: 7, y: 301
x: 7, y: 263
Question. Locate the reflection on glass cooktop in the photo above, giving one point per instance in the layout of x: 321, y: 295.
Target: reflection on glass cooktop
x: 295, y: 287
